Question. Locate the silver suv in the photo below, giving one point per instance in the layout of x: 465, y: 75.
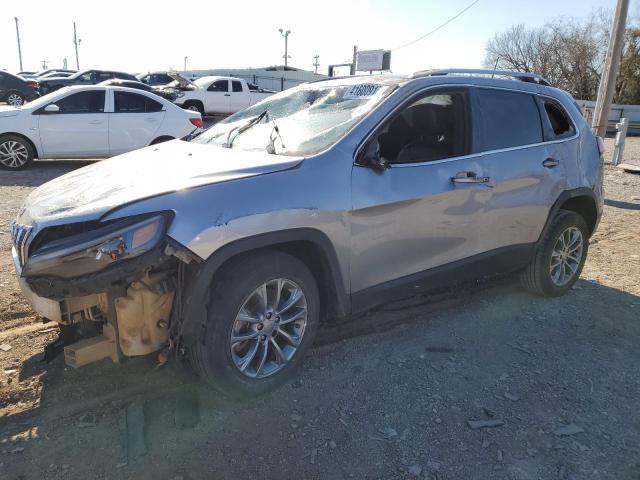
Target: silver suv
x: 319, y: 202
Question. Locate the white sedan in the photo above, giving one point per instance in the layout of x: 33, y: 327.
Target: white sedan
x: 89, y: 122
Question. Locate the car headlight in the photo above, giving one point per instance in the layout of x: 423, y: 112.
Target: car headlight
x: 97, y: 249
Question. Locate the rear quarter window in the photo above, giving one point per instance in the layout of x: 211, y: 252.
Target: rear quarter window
x: 561, y: 124
x: 506, y: 119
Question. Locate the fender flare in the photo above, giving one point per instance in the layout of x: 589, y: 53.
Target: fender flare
x: 196, y: 290
x: 564, y: 196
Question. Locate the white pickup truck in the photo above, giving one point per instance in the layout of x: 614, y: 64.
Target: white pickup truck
x: 216, y: 95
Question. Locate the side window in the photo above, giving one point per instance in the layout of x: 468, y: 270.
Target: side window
x: 146, y: 79
x: 87, y: 77
x: 507, y: 119
x: 237, y: 86
x: 102, y: 76
x: 82, y: 102
x: 2, y: 79
x: 163, y: 79
x: 219, y: 86
x: 432, y: 128
x: 560, y: 123
x: 126, y: 102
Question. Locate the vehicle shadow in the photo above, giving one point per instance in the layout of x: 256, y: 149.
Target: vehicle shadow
x: 621, y: 204
x: 472, y: 314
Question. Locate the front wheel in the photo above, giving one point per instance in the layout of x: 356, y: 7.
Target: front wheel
x: 194, y: 107
x: 262, y: 318
x: 15, y: 152
x: 560, y: 256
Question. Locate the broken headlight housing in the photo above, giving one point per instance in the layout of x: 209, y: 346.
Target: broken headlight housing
x: 98, y: 248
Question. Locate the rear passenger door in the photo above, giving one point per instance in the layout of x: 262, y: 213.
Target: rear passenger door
x: 525, y: 173
x: 134, y: 121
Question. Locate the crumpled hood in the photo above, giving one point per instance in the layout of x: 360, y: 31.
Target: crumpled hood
x: 89, y: 192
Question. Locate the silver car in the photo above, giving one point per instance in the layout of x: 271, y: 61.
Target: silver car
x: 319, y: 202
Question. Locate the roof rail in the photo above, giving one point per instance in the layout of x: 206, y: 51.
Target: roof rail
x: 522, y: 76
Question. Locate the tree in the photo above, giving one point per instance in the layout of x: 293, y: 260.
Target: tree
x: 628, y: 81
x: 570, y: 54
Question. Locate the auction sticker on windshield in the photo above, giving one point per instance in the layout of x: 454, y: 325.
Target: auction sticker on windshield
x: 366, y: 90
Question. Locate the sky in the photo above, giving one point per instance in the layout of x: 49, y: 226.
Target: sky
x: 137, y: 36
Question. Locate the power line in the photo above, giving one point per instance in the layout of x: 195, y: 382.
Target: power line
x: 438, y: 27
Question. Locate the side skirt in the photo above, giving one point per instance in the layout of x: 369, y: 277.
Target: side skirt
x: 500, y: 261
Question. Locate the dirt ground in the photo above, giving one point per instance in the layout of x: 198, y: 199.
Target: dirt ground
x: 387, y: 395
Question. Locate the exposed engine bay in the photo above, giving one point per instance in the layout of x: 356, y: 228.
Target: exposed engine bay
x: 113, y: 297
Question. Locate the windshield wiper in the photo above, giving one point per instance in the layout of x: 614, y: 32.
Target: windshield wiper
x: 271, y: 147
x: 243, y: 128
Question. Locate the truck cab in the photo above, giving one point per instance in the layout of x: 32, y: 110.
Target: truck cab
x: 218, y: 95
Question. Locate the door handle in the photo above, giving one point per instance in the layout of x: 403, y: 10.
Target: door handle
x: 469, y: 177
x: 151, y: 120
x: 227, y: 94
x: 95, y: 122
x: 550, y: 163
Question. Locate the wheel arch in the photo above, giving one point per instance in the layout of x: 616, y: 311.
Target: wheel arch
x: 580, y: 200
x: 161, y: 138
x: 309, y: 245
x: 22, y: 135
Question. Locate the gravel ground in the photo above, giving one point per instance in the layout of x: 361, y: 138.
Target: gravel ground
x: 393, y: 394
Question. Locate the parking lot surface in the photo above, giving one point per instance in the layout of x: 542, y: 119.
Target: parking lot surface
x: 482, y: 381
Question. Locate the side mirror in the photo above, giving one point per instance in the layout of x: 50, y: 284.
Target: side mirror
x: 52, y: 108
x: 372, y: 158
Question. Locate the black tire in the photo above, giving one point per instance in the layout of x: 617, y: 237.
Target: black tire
x: 537, y: 277
x: 161, y: 140
x: 211, y: 356
x: 15, y: 94
x: 9, y: 163
x: 195, y: 106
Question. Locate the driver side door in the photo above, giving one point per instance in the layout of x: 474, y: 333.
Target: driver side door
x: 79, y: 129
x: 412, y: 217
x: 218, y: 97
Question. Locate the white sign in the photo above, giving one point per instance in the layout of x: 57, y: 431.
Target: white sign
x: 364, y: 90
x: 370, y: 60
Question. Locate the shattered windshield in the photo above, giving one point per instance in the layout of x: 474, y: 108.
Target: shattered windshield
x: 300, y: 121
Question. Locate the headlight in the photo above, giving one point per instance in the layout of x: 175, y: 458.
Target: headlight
x: 94, y: 250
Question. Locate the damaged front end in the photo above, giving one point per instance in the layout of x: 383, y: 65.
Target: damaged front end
x: 109, y: 285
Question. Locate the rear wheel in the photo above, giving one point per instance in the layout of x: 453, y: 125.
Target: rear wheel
x: 15, y: 152
x: 559, y: 257
x: 15, y: 99
x: 262, y: 318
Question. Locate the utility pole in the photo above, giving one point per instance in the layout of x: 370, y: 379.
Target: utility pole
x: 44, y: 64
x: 18, y: 35
x: 185, y: 63
x: 76, y: 42
x: 610, y: 71
x: 316, y: 64
x: 355, y: 60
x: 286, y: 44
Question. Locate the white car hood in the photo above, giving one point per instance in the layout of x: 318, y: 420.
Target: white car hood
x: 90, y: 192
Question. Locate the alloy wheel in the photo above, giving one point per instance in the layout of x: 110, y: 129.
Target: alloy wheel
x: 15, y: 100
x: 268, y: 328
x: 13, y: 154
x: 566, y: 256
